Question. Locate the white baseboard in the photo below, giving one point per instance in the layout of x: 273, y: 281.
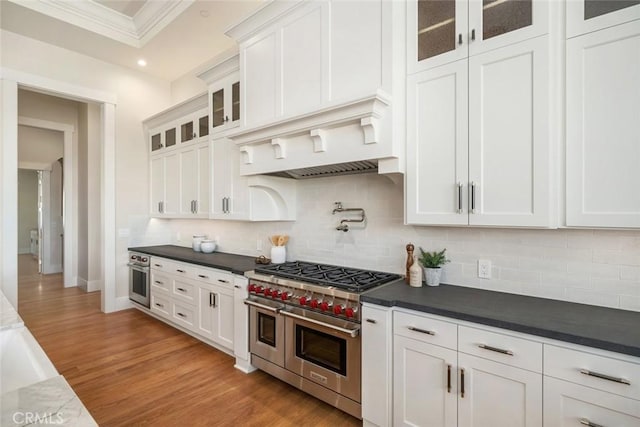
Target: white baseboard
x: 123, y: 303
x: 94, y: 285
x: 244, y: 365
x: 81, y: 283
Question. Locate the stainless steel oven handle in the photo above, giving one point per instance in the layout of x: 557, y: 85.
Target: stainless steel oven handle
x: 351, y: 332
x: 262, y: 306
x: 139, y: 267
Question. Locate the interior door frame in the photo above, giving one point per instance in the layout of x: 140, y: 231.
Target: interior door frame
x: 10, y: 80
x: 70, y: 223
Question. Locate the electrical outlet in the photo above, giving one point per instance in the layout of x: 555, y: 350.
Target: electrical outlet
x: 259, y: 244
x: 484, y: 269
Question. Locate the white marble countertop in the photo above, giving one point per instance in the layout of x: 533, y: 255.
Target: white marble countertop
x: 9, y: 317
x: 52, y: 401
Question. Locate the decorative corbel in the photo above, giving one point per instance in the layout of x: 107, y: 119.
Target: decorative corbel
x: 319, y: 140
x: 279, y: 147
x: 247, y: 154
x: 370, y: 128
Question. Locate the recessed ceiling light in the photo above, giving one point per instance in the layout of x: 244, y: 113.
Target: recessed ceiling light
x: 142, y: 62
x: 204, y: 13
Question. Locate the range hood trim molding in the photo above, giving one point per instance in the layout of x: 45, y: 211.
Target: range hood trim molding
x: 366, y: 110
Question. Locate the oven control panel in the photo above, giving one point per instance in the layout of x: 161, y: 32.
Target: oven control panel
x: 320, y: 302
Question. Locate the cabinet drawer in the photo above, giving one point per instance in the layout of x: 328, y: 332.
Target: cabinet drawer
x: 425, y: 329
x: 161, y: 306
x: 214, y: 277
x: 599, y: 372
x: 177, y: 268
x: 160, y: 283
x: 184, y: 290
x: 184, y: 314
x: 501, y: 348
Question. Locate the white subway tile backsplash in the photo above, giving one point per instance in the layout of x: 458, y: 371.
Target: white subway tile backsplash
x: 598, y: 267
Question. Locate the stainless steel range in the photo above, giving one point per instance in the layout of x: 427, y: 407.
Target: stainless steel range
x: 304, y: 327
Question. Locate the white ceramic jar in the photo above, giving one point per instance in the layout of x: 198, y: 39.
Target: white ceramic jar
x: 207, y: 246
x: 278, y: 254
x: 197, y: 240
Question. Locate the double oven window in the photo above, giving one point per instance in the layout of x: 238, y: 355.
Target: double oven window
x: 267, y: 329
x: 322, y: 349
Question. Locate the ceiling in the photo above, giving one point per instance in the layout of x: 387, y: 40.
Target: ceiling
x: 174, y: 37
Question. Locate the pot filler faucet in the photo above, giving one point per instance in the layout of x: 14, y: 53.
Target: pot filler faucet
x: 343, y: 223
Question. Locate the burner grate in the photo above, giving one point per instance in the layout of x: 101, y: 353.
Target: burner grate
x: 351, y: 279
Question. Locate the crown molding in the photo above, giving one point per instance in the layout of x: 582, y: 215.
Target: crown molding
x: 99, y: 19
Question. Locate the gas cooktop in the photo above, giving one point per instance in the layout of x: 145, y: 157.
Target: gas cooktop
x: 352, y: 279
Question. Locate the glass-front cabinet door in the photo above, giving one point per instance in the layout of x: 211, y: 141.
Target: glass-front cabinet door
x: 156, y: 140
x: 225, y: 104
x: 187, y: 132
x: 442, y: 31
x: 584, y: 16
x: 217, y: 108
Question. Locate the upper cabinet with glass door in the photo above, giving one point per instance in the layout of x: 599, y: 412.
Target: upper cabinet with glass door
x: 225, y: 103
x: 585, y: 16
x: 443, y: 31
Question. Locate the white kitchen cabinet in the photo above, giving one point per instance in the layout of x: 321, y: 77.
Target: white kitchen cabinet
x: 478, y: 140
x: 568, y: 404
x: 194, y: 180
x: 377, y: 367
x: 215, y: 313
x: 241, y: 324
x: 443, y: 31
x: 165, y: 184
x: 603, y: 136
x: 425, y: 389
x: 495, y: 394
x: 224, y: 101
x: 585, y: 16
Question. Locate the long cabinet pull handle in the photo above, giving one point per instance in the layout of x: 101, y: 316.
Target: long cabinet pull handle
x: 460, y: 38
x: 371, y: 321
x: 605, y: 377
x: 223, y: 281
x: 448, y: 378
x: 181, y: 315
x: 422, y: 331
x: 473, y: 197
x: 180, y: 271
x: 212, y: 299
x: 462, y: 383
x: 158, y: 265
x: 182, y: 289
x: 223, y: 211
x: 237, y: 287
x: 459, y: 197
x: 496, y: 349
x: 473, y: 34
x: 586, y: 422
x: 159, y: 305
x: 202, y: 276
x: 195, y: 206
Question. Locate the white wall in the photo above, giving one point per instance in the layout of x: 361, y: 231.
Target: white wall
x: 137, y: 96
x: 38, y: 148
x: 590, y: 266
x: 27, y: 208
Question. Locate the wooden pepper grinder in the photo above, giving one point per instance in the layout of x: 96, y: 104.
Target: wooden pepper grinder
x: 410, y: 249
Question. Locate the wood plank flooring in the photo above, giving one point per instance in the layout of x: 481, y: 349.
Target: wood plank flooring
x: 130, y: 369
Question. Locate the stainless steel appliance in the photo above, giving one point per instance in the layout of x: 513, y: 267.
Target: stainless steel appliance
x: 304, y: 327
x: 139, y: 278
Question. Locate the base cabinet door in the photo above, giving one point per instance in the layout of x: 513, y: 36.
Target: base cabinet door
x: 215, y: 314
x: 567, y: 405
x: 497, y: 395
x: 424, y: 389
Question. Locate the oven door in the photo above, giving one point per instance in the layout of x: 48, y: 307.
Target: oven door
x: 266, y: 332
x: 139, y: 284
x: 324, y: 350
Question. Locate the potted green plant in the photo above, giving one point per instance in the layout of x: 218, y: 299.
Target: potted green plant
x: 431, y: 263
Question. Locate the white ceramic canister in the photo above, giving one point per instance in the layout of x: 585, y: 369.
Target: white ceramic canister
x: 207, y: 246
x: 197, y: 240
x: 278, y: 254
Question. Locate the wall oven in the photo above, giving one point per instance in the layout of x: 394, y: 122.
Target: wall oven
x: 139, y: 278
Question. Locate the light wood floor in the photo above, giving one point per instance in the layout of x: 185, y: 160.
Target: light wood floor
x: 130, y: 369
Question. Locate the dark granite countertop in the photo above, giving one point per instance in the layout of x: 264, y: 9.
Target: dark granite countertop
x: 593, y: 326
x: 237, y: 264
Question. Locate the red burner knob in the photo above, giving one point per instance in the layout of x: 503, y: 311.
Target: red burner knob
x: 275, y: 293
x: 285, y: 296
x: 314, y: 303
x: 267, y: 292
x: 258, y: 289
x: 337, y: 309
x: 303, y: 300
x: 349, y: 312
x: 252, y: 287
x: 324, y: 306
